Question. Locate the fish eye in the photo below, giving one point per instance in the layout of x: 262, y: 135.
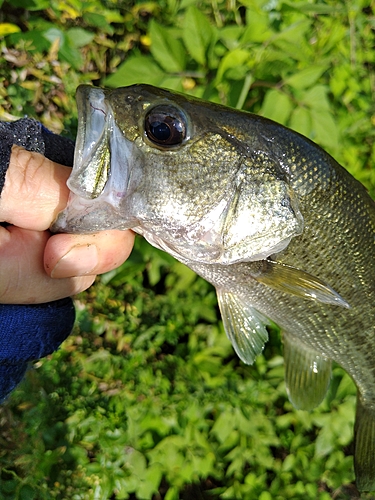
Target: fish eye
x: 165, y: 126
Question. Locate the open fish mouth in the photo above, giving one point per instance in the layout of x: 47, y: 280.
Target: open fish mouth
x: 92, y: 154
x: 96, y: 183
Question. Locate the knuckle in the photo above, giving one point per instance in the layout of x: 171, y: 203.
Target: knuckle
x: 27, y: 176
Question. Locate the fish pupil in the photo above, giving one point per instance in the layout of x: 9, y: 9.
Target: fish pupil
x: 160, y: 131
x: 165, y: 126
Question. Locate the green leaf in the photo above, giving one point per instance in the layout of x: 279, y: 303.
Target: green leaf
x: 197, y: 34
x: 150, y: 481
x: 234, y: 59
x: 136, y: 463
x: 325, y: 130
x: 325, y: 442
x: 71, y: 55
x: 79, y: 37
x: 53, y: 34
x: 26, y: 493
x: 258, y: 26
x: 300, y: 121
x: 174, y: 83
x: 98, y: 20
x: 305, y: 78
x: 231, y: 36
x: 223, y: 426
x: 265, y: 495
x: 166, y: 49
x: 172, y: 494
x: 316, y: 98
x: 136, y: 69
x: 289, y: 463
x: 313, y: 8
x: 37, y: 42
x: 294, y: 32
x: 277, y: 106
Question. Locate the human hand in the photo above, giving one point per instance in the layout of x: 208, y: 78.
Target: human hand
x: 31, y: 259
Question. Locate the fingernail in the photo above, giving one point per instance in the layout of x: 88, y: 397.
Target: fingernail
x: 79, y: 261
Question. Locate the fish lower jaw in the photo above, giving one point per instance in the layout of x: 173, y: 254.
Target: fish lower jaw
x: 87, y: 216
x: 76, y: 207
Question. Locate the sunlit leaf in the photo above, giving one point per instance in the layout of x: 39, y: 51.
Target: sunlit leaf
x: 315, y: 8
x: 231, y: 36
x: 316, y: 98
x: 223, y: 426
x: 300, y: 120
x: 325, y: 442
x: 166, y: 49
x: 305, y: 78
x: 325, y: 129
x: 136, y: 69
x: 258, y: 26
x: 234, y: 59
x: 197, y: 34
x: 277, y: 106
x: 79, y: 37
x: 55, y: 34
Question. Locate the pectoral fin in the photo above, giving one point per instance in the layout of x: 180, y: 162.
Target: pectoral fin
x: 244, y: 326
x: 307, y: 374
x: 364, y: 451
x: 289, y: 279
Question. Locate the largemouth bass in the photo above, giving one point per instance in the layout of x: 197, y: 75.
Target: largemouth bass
x: 281, y: 230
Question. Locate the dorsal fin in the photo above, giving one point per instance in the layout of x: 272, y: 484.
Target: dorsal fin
x: 307, y: 374
x: 244, y: 326
x: 289, y: 279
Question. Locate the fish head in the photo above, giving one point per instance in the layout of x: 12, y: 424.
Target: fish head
x: 193, y: 177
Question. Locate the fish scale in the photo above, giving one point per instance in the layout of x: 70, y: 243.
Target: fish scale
x: 281, y: 230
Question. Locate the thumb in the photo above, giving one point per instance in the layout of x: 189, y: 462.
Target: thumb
x: 34, y: 190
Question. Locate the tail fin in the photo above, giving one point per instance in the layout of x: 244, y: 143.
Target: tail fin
x: 364, y: 451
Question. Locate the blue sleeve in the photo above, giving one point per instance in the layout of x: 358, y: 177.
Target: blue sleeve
x: 29, y: 332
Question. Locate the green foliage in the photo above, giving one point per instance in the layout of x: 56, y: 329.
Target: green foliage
x: 147, y: 400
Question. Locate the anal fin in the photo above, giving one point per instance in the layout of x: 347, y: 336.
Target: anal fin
x: 307, y: 374
x: 364, y: 450
x: 244, y: 326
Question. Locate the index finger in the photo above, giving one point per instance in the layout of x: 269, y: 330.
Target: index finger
x: 34, y: 191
